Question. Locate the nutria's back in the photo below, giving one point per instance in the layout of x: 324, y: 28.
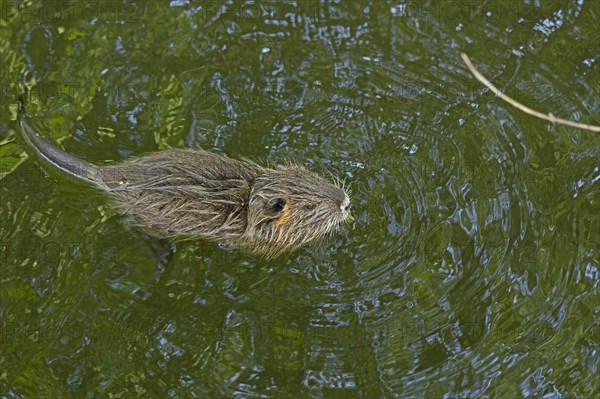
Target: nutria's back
x: 198, y: 194
x: 185, y: 192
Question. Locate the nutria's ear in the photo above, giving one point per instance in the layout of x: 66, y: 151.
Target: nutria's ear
x: 275, y: 206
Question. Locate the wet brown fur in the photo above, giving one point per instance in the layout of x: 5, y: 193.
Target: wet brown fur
x: 197, y: 194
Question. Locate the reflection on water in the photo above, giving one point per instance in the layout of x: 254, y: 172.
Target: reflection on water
x: 473, y: 266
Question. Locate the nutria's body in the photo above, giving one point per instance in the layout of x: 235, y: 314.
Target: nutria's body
x: 198, y: 194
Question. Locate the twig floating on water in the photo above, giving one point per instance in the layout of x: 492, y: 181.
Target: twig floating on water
x: 548, y: 117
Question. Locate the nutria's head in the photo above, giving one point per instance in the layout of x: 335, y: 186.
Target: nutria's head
x: 290, y: 207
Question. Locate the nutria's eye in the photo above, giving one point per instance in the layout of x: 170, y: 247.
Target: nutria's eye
x: 310, y: 207
x: 275, y: 206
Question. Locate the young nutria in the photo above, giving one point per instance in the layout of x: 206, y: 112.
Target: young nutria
x: 197, y: 194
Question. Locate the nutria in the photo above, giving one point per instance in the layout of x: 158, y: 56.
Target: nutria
x: 180, y: 193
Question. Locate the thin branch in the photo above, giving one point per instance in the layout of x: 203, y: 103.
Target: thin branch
x: 548, y: 117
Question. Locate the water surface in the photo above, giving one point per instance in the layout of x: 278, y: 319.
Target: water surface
x: 473, y: 267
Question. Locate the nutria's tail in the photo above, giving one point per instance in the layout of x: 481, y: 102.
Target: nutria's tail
x: 54, y: 156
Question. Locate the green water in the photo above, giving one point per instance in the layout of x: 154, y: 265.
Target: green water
x: 473, y: 268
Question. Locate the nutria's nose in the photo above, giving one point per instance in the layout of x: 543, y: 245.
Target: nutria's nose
x: 345, y: 205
